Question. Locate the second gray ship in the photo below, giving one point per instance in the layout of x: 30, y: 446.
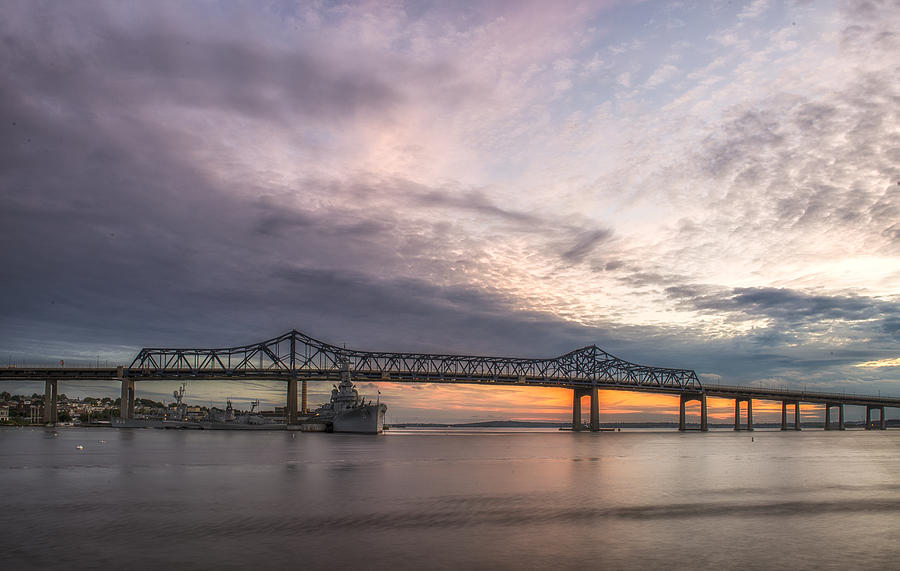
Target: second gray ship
x: 227, y: 419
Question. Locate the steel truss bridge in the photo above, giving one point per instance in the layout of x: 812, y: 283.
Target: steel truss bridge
x: 295, y: 356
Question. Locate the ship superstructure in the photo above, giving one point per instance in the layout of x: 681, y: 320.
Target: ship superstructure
x: 229, y: 420
x: 347, y: 411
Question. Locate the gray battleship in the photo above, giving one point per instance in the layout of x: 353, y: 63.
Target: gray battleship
x: 347, y: 411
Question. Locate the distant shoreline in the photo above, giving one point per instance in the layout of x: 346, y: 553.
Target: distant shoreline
x: 535, y: 424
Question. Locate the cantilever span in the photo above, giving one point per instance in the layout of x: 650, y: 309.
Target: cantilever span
x: 297, y: 355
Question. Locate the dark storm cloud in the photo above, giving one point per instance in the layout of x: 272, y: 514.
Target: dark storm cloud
x: 109, y: 68
x: 398, y: 202
x: 239, y: 77
x: 642, y: 279
x: 402, y: 192
x: 276, y: 217
x: 788, y: 307
x: 891, y: 326
x: 585, y: 244
x: 476, y: 202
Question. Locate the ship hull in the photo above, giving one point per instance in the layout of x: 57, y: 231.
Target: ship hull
x: 180, y: 424
x: 136, y: 423
x: 367, y: 419
x: 151, y: 423
x: 240, y: 426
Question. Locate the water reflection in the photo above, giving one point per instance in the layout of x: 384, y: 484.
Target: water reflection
x: 487, y: 500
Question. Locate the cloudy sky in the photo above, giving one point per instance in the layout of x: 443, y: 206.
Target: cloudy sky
x: 711, y: 185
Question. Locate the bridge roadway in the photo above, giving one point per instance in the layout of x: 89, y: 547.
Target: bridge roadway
x: 294, y: 357
x: 51, y: 375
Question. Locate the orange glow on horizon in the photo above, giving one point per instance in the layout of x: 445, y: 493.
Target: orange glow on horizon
x: 555, y: 404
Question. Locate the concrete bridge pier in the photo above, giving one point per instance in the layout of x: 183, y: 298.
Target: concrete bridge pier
x: 50, y: 391
x: 784, y: 424
x: 595, y: 410
x: 686, y: 398
x: 292, y: 401
x: 578, y: 394
x: 576, y: 409
x: 737, y: 413
x: 126, y: 404
x: 304, y: 407
x: 828, y: 407
x: 882, y: 422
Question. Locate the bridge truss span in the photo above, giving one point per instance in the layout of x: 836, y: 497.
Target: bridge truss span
x: 296, y: 355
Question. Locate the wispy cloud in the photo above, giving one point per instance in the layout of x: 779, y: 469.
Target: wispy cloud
x: 881, y: 363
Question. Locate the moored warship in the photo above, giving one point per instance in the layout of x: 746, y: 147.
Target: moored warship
x: 228, y: 420
x: 177, y: 418
x: 347, y: 411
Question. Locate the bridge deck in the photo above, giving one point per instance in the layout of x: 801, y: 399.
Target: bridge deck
x: 295, y: 356
x: 333, y: 375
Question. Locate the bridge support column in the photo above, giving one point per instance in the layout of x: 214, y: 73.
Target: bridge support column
x: 576, y: 409
x: 50, y: 391
x: 737, y: 413
x: 686, y: 398
x: 828, y: 407
x: 291, y: 401
x: 882, y: 424
x: 126, y: 403
x: 304, y: 407
x: 784, y: 422
x: 595, y: 409
x: 704, y: 425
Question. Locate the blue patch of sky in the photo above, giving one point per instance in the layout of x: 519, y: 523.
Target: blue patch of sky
x: 638, y: 40
x: 656, y: 35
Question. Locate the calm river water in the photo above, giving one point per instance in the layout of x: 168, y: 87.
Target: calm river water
x: 452, y: 499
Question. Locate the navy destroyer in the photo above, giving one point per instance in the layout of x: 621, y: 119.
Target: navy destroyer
x: 176, y: 418
x: 347, y: 411
x: 228, y: 420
